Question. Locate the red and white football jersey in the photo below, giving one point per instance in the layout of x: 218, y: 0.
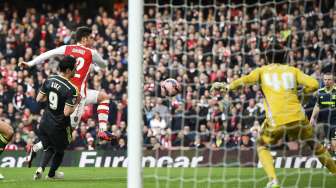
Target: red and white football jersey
x: 85, y: 58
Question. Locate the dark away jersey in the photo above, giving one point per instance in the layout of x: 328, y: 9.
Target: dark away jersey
x: 59, y: 92
x: 326, y: 100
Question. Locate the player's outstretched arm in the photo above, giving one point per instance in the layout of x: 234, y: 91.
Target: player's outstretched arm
x: 310, y: 84
x: 97, y: 59
x: 251, y: 78
x: 41, y: 58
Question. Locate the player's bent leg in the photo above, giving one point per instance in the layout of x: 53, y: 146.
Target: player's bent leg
x: 47, y: 154
x: 103, y: 110
x: 323, y: 155
x: 6, y: 134
x: 266, y: 160
x: 319, y: 150
x: 31, y: 153
x: 75, y: 117
x: 266, y: 138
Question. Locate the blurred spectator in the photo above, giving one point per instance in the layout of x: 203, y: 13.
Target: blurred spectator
x: 204, y: 134
x: 153, y: 144
x: 147, y: 133
x: 121, y: 145
x: 246, y: 143
x: 333, y: 146
x: 166, y: 139
x: 79, y: 139
x: 161, y: 109
x: 181, y: 140
x: 31, y: 103
x: 90, y: 144
x: 292, y: 145
x: 19, y: 98
x: 218, y: 141
x: 250, y: 113
x: 18, y: 141
x: 120, y: 115
x: 157, y: 124
x: 223, y: 141
x: 197, y: 143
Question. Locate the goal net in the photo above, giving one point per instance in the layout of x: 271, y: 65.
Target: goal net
x: 205, y: 141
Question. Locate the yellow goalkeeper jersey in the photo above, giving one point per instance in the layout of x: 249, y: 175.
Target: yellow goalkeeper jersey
x: 279, y: 84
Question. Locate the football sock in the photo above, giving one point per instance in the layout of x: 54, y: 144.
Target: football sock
x: 103, y: 112
x: 56, y: 162
x: 3, y: 143
x: 325, y: 158
x: 47, y: 154
x: 266, y: 160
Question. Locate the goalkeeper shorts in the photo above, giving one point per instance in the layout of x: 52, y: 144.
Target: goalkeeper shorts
x: 298, y: 130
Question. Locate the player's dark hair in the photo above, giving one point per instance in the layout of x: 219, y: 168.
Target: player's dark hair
x: 275, y: 53
x: 67, y: 62
x: 82, y: 32
x: 328, y: 73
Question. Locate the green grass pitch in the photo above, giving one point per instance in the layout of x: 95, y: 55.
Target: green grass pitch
x: 169, y: 178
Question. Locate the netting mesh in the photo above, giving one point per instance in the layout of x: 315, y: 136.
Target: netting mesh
x: 202, y: 42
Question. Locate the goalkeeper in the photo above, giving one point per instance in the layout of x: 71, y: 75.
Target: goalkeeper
x: 284, y: 113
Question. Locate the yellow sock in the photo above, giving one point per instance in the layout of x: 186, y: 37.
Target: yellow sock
x: 325, y: 158
x: 266, y: 160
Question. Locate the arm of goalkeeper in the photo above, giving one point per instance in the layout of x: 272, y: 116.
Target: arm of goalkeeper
x: 222, y: 87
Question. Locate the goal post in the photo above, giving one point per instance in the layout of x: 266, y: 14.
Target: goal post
x: 135, y: 94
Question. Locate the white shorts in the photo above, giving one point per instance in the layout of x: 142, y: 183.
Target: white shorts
x: 91, y: 98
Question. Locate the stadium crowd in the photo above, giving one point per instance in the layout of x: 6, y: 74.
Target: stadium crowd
x: 195, y: 45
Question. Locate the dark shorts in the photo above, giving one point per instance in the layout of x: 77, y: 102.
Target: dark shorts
x: 54, y: 137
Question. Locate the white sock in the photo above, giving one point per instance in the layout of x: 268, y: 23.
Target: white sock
x: 103, y: 112
x: 38, y: 146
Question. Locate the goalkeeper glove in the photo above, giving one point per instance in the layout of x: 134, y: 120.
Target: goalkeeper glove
x: 220, y: 86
